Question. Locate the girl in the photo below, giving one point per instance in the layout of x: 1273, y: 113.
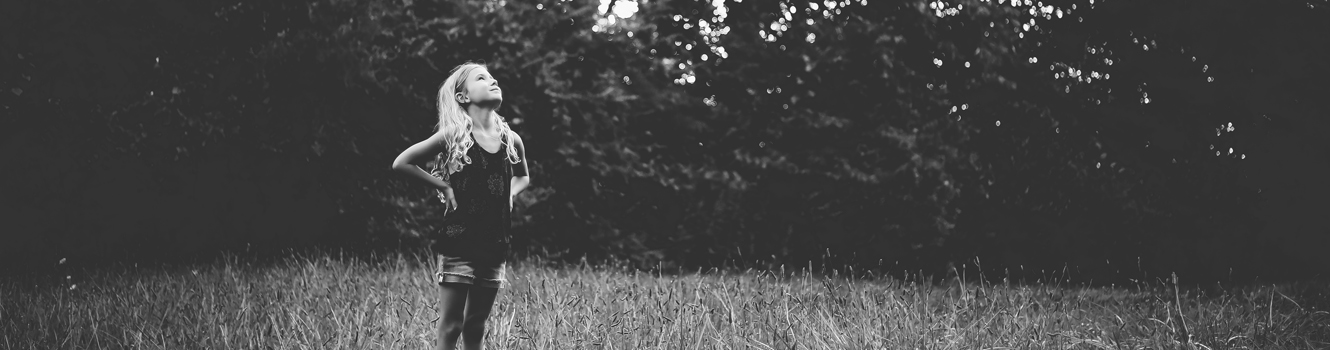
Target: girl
x: 483, y: 168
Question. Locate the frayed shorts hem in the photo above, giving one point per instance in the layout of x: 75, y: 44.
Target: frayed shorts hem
x: 450, y: 269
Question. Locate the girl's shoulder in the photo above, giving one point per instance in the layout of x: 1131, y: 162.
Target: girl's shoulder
x: 512, y: 137
x: 440, y: 138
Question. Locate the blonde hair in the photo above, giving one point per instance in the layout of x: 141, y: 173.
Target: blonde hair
x: 456, y: 123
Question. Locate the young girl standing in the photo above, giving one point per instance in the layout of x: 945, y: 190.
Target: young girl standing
x: 482, y: 167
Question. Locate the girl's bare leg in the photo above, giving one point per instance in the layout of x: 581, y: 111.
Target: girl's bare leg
x: 452, y: 304
x: 479, y: 302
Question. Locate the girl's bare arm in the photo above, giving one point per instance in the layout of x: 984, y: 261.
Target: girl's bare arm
x: 521, y: 175
x: 419, y: 152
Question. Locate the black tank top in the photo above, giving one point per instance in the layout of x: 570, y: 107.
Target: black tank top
x: 478, y: 229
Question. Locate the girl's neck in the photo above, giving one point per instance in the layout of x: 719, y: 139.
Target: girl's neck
x: 480, y: 117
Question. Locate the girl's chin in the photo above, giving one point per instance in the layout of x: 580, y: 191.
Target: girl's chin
x: 492, y: 102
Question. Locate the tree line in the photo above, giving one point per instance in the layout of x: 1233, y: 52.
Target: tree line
x: 906, y: 135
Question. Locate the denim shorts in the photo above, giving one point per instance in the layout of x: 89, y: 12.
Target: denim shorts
x: 451, y: 269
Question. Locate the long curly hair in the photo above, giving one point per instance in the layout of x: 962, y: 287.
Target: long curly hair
x: 456, y: 123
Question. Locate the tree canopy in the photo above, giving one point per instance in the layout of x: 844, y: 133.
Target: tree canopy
x: 894, y: 134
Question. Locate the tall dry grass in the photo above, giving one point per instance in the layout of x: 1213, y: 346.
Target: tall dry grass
x: 331, y: 302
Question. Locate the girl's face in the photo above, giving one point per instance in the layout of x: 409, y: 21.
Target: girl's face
x: 480, y: 87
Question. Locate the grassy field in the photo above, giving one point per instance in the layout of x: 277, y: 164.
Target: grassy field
x: 326, y: 302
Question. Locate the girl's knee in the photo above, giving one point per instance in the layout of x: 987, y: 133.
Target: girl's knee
x: 451, y: 329
x: 474, y: 326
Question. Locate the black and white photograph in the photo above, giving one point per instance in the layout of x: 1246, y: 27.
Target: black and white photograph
x: 665, y: 174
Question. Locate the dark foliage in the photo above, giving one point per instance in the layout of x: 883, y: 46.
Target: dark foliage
x: 905, y: 135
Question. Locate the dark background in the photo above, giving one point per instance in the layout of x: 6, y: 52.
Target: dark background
x: 1096, y: 140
